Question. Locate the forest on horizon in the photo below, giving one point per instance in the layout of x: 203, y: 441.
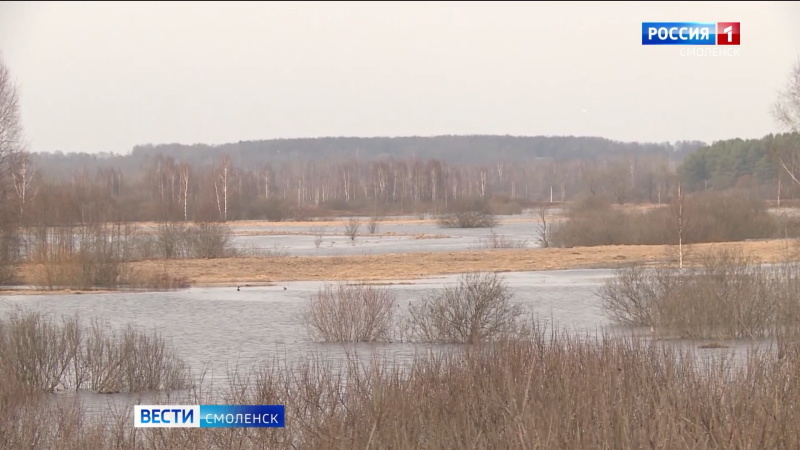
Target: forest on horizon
x: 298, y: 178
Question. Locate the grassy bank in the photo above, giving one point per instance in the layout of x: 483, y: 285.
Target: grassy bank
x: 404, y: 266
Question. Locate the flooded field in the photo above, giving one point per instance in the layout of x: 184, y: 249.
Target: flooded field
x: 217, y: 327
x: 391, y: 237
x: 219, y: 330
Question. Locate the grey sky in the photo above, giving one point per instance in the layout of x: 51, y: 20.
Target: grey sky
x: 107, y: 76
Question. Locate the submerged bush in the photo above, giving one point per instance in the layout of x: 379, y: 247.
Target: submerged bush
x: 350, y: 313
x: 729, y: 295
x: 47, y: 355
x: 478, y: 308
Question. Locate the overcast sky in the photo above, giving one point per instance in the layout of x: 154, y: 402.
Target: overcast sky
x: 107, y: 76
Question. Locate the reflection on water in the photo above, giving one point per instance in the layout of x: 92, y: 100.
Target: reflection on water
x: 217, y: 329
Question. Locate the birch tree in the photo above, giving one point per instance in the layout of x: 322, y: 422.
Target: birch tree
x: 221, y: 188
x: 185, y: 172
x: 22, y: 178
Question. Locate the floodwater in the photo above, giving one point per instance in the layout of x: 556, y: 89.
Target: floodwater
x: 214, y: 328
x: 218, y: 329
x: 402, y: 237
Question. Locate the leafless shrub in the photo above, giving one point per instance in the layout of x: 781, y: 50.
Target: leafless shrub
x: 473, y: 213
x: 633, y: 295
x: 511, y: 394
x: 467, y: 219
x: 39, y: 350
x: 729, y: 295
x: 545, y: 230
x: 351, y: 227
x: 478, y: 308
x: 172, y: 239
x: 372, y: 225
x: 209, y: 240
x: 705, y: 217
x: 499, y: 241
x: 319, y: 234
x: 350, y: 313
x: 130, y: 361
x: 46, y: 355
x: 94, y: 255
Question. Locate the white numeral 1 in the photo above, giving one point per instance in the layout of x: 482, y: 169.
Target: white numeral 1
x: 729, y: 30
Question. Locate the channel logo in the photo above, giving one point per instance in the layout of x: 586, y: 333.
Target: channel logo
x: 690, y: 33
x: 209, y: 416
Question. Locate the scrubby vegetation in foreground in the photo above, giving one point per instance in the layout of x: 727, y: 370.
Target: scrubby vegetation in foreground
x: 509, y: 388
x: 549, y: 390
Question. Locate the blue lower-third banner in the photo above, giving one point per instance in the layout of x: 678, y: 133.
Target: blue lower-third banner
x: 209, y: 416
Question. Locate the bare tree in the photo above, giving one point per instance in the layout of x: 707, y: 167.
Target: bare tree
x: 11, y: 154
x: 466, y: 213
x: 23, y: 177
x: 11, y: 147
x: 678, y: 210
x: 221, y: 188
x: 184, y: 175
x: 544, y: 231
x: 351, y: 227
x: 786, y: 110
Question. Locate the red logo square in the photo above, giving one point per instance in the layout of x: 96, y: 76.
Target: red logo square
x: 727, y: 33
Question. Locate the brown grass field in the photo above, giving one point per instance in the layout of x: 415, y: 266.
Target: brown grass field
x: 407, y: 266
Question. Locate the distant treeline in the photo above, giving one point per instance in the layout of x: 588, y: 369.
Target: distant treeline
x: 449, y: 149
x: 293, y: 179
x: 301, y: 178
x: 737, y: 163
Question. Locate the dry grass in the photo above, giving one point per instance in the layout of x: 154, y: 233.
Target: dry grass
x: 404, y: 266
x: 301, y: 227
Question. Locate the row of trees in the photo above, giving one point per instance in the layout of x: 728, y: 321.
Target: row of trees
x: 167, y: 189
x: 164, y: 188
x: 742, y: 163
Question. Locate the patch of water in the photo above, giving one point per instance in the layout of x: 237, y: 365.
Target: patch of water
x: 401, y: 238
x: 218, y: 329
